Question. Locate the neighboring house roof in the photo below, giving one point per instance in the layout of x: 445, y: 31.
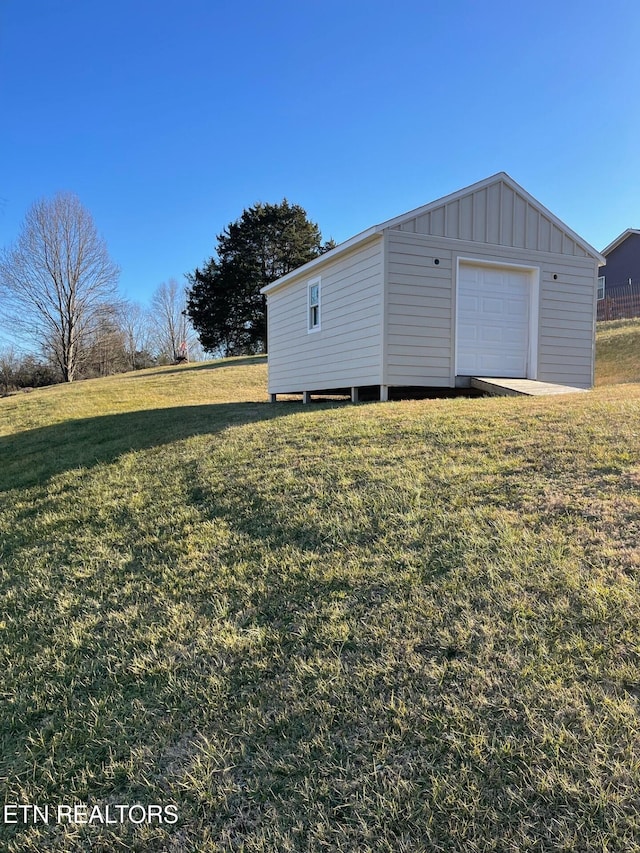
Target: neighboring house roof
x: 395, y: 222
x: 620, y: 239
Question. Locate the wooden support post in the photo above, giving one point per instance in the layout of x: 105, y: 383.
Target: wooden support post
x: 272, y: 398
x: 306, y: 396
x: 384, y: 393
x: 354, y: 394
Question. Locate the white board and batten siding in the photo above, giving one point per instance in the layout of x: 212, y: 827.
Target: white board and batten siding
x: 498, y: 214
x: 483, y: 282
x: 347, y: 349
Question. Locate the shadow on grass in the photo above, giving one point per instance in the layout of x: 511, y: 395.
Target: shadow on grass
x: 241, y: 361
x: 34, y: 456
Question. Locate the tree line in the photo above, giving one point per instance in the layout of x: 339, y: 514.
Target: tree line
x: 58, y: 290
x: 122, y: 336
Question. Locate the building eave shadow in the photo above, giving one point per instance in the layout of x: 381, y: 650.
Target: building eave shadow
x: 32, y: 457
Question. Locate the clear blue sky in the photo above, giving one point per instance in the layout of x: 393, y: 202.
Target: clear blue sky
x: 169, y: 118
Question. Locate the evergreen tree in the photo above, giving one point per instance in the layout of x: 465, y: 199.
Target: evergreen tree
x: 224, y: 301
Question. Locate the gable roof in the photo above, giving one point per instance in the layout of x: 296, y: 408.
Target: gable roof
x: 428, y: 217
x: 620, y: 239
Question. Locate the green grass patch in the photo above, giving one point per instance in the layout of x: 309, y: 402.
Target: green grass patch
x: 391, y: 627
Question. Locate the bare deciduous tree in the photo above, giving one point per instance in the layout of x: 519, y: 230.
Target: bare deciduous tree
x: 8, y: 368
x: 57, y: 277
x: 172, y: 328
x: 136, y: 325
x: 105, y: 345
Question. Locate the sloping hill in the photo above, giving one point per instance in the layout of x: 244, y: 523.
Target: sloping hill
x: 618, y: 352
x: 402, y: 627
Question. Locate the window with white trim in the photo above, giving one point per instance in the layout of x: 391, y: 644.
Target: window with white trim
x: 600, y: 287
x: 313, y: 302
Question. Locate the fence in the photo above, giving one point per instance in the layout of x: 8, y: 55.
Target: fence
x: 620, y: 301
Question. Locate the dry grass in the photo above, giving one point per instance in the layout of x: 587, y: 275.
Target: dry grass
x: 391, y: 627
x: 618, y: 352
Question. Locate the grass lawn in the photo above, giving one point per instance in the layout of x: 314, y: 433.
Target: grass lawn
x: 618, y: 352
x: 411, y: 626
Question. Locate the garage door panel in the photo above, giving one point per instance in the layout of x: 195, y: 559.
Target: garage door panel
x: 512, y: 336
x: 492, y: 279
x: 516, y: 366
x: 493, y: 321
x: 490, y: 363
x: 470, y: 333
x: 492, y: 307
x: 469, y: 303
x: 490, y: 335
x: 517, y: 308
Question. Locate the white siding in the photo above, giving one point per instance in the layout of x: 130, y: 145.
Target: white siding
x: 388, y: 296
x: 567, y: 310
x: 496, y: 214
x: 420, y: 323
x: 347, y: 350
x: 419, y: 311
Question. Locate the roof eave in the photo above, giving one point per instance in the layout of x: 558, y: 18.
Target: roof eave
x: 619, y: 239
x: 351, y: 243
x: 419, y: 211
x: 479, y: 185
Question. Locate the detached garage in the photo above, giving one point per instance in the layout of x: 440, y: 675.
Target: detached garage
x: 483, y: 283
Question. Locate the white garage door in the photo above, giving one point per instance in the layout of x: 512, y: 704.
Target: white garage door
x: 493, y: 321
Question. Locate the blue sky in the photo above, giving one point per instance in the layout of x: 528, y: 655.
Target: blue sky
x: 169, y: 118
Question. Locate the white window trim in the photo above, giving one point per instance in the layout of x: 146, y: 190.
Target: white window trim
x: 601, y: 287
x: 313, y: 283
